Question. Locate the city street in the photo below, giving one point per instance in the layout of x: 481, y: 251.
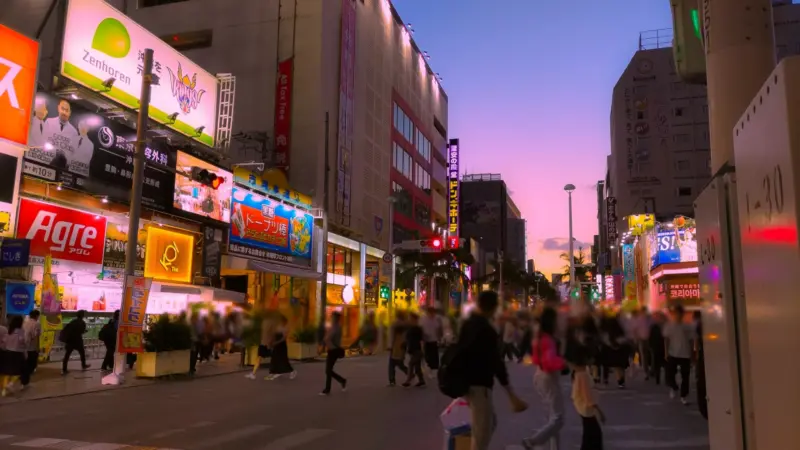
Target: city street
x: 230, y: 412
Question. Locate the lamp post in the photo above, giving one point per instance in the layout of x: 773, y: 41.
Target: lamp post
x: 569, y: 188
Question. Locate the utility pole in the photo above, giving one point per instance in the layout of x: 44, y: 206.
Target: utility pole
x: 323, y: 285
x: 136, y: 194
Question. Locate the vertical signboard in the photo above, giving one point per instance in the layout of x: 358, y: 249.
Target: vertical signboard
x: 283, y: 115
x: 628, y: 270
x: 19, y: 58
x: 130, y: 337
x: 346, y: 111
x: 212, y: 254
x: 453, y: 187
x: 611, y: 220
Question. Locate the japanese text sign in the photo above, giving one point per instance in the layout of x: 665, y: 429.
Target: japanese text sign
x: 19, y: 60
x: 454, y: 187
x: 283, y: 115
x: 130, y: 337
x: 15, y: 252
x: 168, y: 255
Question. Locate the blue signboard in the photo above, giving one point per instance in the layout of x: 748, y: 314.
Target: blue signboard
x: 628, y: 262
x: 19, y: 298
x: 665, y: 249
x: 266, y: 229
x: 15, y: 252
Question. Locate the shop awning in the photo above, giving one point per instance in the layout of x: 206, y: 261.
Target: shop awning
x: 207, y: 293
x: 236, y: 263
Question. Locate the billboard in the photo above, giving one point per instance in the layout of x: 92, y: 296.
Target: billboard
x: 454, y: 188
x: 673, y: 246
x: 263, y: 228
x: 64, y: 233
x: 195, y: 198
x: 628, y: 262
x: 104, y: 51
x: 639, y: 223
x: 85, y: 151
x: 283, y: 115
x: 19, y: 60
x: 114, y: 256
x: 10, y: 168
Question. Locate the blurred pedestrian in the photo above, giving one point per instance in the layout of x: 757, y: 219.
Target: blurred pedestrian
x: 414, y: 338
x: 432, y: 331
x: 397, y: 345
x: 72, y: 337
x: 700, y: 367
x: 33, y: 332
x: 279, y: 364
x: 333, y: 342
x: 13, y: 352
x: 108, y: 336
x: 679, y: 342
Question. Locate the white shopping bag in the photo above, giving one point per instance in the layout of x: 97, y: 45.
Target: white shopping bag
x: 456, y: 418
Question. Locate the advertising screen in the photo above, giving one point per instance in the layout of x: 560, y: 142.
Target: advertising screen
x: 84, y: 151
x: 262, y: 228
x: 196, y: 198
x: 10, y: 168
x: 104, y: 51
x: 673, y: 246
x: 19, y: 60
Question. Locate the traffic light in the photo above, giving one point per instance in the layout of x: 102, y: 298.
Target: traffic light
x: 595, y: 294
x: 206, y: 178
x: 430, y: 245
x: 384, y: 292
x: 688, y: 48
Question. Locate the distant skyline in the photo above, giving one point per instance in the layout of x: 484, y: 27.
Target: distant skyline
x: 530, y: 86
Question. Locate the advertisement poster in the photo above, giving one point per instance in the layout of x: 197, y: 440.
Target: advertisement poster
x: 19, y: 298
x: 212, y: 254
x: 372, y: 282
x: 19, y: 61
x: 115, y: 256
x: 193, y: 197
x: 346, y: 133
x: 628, y: 262
x: 15, y: 252
x: 10, y: 170
x: 130, y: 337
x: 283, y: 116
x: 104, y: 51
x: 169, y: 255
x: 266, y: 229
x: 64, y: 233
x: 454, y: 187
x: 673, y: 246
x: 84, y: 151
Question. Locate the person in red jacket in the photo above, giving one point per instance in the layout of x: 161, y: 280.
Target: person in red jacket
x: 549, y: 365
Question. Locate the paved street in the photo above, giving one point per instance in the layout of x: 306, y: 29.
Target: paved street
x: 230, y: 412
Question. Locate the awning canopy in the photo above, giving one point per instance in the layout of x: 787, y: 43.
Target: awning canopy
x: 237, y: 263
x: 206, y: 293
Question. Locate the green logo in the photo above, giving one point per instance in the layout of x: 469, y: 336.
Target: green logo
x: 112, y: 38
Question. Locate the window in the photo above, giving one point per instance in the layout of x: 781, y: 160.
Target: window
x: 684, y: 192
x: 422, y: 179
x: 149, y: 3
x: 640, y: 115
x: 683, y: 138
x: 422, y: 214
x: 402, y: 161
x: 403, y: 124
x: 682, y: 165
x: 678, y: 112
x: 190, y: 40
x: 403, y: 201
x: 340, y: 260
x: 423, y: 146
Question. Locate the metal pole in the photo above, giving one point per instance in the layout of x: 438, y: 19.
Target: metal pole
x: 136, y: 193
x: 323, y: 287
x: 500, y: 286
x: 390, y: 307
x: 571, y: 245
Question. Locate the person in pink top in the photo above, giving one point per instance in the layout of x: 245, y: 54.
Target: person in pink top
x: 549, y: 365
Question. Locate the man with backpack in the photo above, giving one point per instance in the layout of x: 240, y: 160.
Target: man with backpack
x: 72, y: 337
x: 469, y: 368
x: 108, y: 335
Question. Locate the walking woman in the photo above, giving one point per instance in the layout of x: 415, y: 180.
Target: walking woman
x: 333, y: 341
x: 549, y: 366
x: 12, y: 355
x: 279, y: 364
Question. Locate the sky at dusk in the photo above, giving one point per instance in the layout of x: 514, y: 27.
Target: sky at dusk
x: 529, y: 83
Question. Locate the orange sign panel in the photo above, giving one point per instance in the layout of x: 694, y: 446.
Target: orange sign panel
x: 19, y: 58
x: 168, y: 255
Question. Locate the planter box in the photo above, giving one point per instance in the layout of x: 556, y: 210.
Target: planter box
x: 251, y: 357
x: 154, y: 365
x: 302, y: 351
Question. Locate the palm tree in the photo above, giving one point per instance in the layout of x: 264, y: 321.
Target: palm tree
x: 579, y: 260
x: 445, y: 265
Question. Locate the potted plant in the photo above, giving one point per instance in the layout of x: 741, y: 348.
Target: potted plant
x: 303, y: 344
x: 167, y: 345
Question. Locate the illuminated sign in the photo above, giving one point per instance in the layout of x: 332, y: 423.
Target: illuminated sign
x: 611, y: 219
x: 258, y: 183
x: 628, y: 262
x: 104, y: 51
x: 686, y: 291
x: 10, y: 169
x: 454, y: 187
x: 639, y: 223
x: 169, y: 255
x: 19, y: 58
x: 673, y: 246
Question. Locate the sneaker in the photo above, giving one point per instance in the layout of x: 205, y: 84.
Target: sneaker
x: 250, y: 376
x: 324, y: 394
x: 344, y: 386
x: 672, y: 394
x: 420, y: 384
x: 392, y: 384
x: 406, y: 384
x: 293, y: 375
x: 684, y: 400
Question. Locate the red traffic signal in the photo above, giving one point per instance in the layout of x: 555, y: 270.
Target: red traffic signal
x: 430, y: 245
x: 206, y: 178
x: 437, y: 243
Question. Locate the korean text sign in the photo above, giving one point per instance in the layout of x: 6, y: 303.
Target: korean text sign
x: 102, y: 44
x: 130, y: 337
x: 84, y: 151
x: 64, y: 233
x: 263, y: 228
x: 454, y: 187
x: 169, y: 255
x: 19, y: 60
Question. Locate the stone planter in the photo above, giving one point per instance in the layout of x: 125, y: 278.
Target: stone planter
x: 154, y: 365
x: 302, y: 352
x: 251, y: 356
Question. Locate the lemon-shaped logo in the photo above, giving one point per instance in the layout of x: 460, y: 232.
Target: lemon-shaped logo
x: 112, y: 38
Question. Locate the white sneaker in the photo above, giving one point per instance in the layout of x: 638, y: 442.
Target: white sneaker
x: 672, y: 394
x: 684, y: 401
x: 250, y: 376
x: 293, y: 375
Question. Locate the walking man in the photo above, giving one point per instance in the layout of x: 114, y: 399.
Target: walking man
x: 33, y: 331
x: 333, y: 341
x: 72, y: 337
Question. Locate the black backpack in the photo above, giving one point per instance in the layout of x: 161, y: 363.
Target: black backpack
x: 452, y: 375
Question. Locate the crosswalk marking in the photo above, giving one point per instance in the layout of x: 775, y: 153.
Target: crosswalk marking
x: 164, y: 434
x: 102, y: 446
x: 39, y: 443
x: 298, y: 439
x: 232, y: 436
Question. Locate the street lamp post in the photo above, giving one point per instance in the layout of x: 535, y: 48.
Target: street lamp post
x: 569, y: 188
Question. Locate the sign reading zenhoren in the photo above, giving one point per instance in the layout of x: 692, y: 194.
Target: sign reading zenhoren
x: 104, y: 51
x: 453, y: 187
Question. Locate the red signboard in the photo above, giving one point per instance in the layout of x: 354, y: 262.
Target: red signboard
x: 283, y: 115
x: 272, y: 230
x: 64, y: 233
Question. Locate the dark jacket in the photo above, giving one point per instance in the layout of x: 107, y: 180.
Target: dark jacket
x: 478, y: 340
x: 656, y: 341
x: 72, y: 333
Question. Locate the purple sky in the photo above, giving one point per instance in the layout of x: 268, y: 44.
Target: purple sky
x: 530, y: 84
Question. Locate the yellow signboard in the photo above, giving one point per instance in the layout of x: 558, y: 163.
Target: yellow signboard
x: 169, y: 255
x: 270, y: 184
x: 639, y: 223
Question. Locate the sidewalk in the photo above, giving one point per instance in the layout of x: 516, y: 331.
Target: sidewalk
x: 48, y: 382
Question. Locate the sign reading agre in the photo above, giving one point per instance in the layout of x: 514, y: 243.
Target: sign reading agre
x: 453, y: 186
x: 104, y: 51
